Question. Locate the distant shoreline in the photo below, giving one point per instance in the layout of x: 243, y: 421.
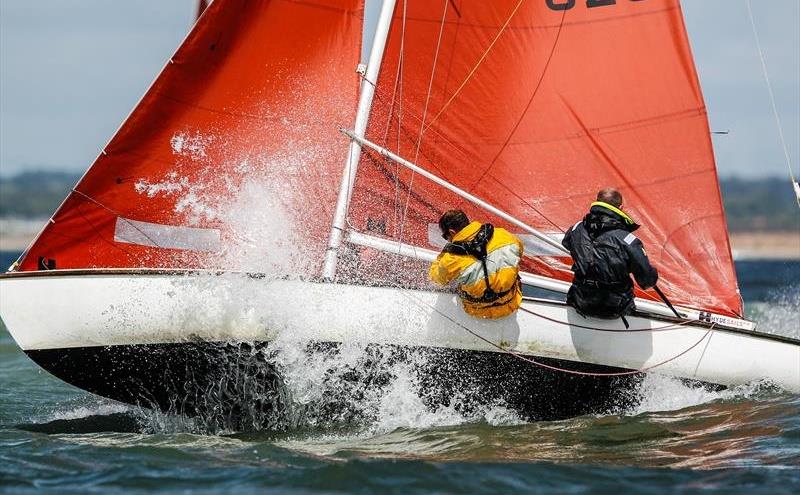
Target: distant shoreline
x: 766, y: 245
x: 15, y: 242
x: 745, y: 245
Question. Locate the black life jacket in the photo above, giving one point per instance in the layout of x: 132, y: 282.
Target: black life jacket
x: 609, y: 273
x: 602, y: 286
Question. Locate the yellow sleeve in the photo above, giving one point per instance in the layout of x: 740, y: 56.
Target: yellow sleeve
x: 443, y: 269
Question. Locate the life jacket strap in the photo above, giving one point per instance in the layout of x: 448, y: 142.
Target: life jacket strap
x: 599, y: 284
x: 476, y: 247
x: 489, y: 295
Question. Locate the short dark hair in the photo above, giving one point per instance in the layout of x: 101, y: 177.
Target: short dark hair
x: 453, y: 219
x: 611, y: 196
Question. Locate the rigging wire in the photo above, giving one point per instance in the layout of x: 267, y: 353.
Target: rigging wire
x: 478, y: 64
x: 795, y: 184
x: 119, y: 216
x: 423, y: 127
x: 397, y: 98
x: 410, y: 187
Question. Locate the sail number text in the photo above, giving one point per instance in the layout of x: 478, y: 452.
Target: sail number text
x: 568, y: 4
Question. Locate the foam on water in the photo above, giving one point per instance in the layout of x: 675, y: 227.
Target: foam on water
x: 360, y: 386
x: 664, y: 393
x: 88, y: 410
x: 322, y: 394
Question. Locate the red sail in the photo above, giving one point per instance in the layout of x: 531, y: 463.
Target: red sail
x: 535, y: 105
x: 243, y: 120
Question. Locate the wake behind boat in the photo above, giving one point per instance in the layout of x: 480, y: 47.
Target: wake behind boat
x: 218, y: 220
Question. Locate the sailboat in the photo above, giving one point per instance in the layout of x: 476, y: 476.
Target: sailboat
x: 268, y: 186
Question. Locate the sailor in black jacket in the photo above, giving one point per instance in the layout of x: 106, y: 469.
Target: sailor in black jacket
x: 605, y: 252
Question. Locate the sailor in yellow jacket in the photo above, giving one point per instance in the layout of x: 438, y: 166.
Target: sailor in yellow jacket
x: 483, y: 261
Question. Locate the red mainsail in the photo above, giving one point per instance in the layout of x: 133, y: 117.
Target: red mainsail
x: 248, y: 107
x: 533, y: 106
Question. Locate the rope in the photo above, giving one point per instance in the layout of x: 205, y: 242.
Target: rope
x: 772, y: 101
x: 526, y: 359
x: 422, y: 122
x: 478, y: 64
x: 622, y: 330
x: 119, y: 216
x: 409, y: 295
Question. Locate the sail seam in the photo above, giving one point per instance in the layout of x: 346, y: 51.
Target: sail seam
x: 313, y: 5
x: 621, y: 126
x: 241, y: 114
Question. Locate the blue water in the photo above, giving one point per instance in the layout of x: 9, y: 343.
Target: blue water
x: 54, y: 437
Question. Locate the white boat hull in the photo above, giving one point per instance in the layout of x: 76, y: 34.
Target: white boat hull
x: 95, y: 310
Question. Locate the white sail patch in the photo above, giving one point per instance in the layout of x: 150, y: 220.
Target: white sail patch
x: 435, y: 236
x: 166, y: 236
x: 537, y: 247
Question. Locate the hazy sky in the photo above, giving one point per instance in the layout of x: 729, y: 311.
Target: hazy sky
x: 71, y: 71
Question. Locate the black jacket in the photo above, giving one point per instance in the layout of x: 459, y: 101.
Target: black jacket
x: 605, y: 252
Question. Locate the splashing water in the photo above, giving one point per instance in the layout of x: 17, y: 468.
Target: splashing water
x: 253, y: 199
x: 369, y: 390
x: 191, y: 145
x: 665, y: 393
x: 375, y: 388
x: 780, y: 313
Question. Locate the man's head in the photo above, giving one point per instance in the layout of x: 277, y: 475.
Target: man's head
x: 451, y: 222
x: 611, y: 196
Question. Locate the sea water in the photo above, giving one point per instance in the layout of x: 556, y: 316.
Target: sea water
x: 678, y: 439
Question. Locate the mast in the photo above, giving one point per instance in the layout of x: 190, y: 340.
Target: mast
x: 359, y: 129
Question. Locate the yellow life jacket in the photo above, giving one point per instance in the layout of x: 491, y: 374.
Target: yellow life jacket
x: 503, y: 253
